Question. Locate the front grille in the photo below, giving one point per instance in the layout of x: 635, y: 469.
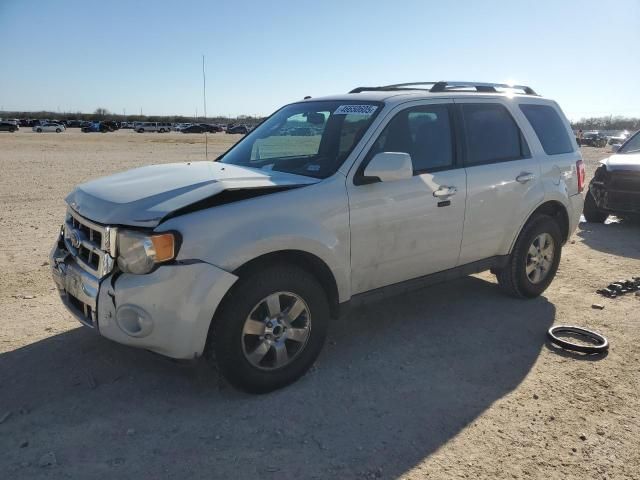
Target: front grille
x: 623, y: 202
x: 83, y: 310
x: 92, y: 245
x: 624, y: 180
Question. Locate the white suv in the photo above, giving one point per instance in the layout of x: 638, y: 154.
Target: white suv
x: 390, y: 189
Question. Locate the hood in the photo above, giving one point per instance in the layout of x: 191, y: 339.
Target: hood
x: 144, y: 196
x: 623, y: 161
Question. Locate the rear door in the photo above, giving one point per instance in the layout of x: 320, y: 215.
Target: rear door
x: 503, y: 177
x: 405, y: 229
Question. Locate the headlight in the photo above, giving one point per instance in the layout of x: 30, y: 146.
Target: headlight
x: 139, y: 253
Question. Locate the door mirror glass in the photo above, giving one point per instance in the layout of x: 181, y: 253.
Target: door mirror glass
x: 388, y: 167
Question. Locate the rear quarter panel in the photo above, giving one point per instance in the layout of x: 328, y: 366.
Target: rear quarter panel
x: 559, y: 174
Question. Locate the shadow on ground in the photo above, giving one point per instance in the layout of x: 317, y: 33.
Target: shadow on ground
x: 615, y: 238
x: 395, y: 382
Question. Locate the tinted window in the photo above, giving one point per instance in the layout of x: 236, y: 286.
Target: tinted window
x: 492, y: 135
x: 424, y: 133
x: 549, y: 128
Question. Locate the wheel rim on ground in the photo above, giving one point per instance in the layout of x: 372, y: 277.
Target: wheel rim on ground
x: 539, y: 258
x: 276, y: 331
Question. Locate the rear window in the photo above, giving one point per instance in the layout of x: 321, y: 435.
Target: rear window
x: 492, y: 135
x: 549, y: 128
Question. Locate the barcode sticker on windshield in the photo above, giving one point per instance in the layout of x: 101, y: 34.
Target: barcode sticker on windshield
x: 365, y: 110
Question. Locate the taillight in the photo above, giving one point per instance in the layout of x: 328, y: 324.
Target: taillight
x: 581, y: 175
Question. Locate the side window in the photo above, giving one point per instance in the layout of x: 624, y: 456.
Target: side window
x: 549, y: 128
x: 424, y: 132
x: 492, y: 135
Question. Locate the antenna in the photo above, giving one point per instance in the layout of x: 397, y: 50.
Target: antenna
x: 204, y: 101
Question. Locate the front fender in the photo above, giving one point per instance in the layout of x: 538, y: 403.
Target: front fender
x: 313, y: 219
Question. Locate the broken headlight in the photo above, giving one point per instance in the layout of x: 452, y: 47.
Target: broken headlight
x: 139, y: 253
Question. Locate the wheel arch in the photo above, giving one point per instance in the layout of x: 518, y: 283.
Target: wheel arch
x: 309, y: 262
x: 553, y: 209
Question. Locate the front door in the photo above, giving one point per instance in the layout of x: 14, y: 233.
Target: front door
x: 405, y: 229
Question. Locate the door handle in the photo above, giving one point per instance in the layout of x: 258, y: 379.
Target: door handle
x: 525, y: 177
x: 445, y: 191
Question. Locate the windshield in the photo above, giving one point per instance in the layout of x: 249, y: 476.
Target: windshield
x: 309, y: 138
x: 632, y: 145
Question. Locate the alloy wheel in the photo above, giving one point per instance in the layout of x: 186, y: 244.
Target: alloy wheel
x: 540, y: 258
x: 276, y: 331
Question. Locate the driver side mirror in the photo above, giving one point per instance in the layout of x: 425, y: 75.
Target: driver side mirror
x: 388, y: 167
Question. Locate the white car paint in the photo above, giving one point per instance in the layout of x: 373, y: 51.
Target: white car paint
x: 368, y: 236
x: 49, y: 127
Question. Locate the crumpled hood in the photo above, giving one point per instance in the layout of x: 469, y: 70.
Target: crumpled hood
x: 623, y: 161
x: 144, y: 196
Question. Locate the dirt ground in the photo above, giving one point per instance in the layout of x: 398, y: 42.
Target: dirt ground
x: 455, y: 381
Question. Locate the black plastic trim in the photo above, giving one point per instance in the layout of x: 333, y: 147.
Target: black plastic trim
x: 411, y: 285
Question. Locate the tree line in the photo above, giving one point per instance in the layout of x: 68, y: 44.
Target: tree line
x: 102, y: 114
x: 607, y: 123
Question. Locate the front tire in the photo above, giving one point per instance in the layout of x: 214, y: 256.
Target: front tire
x: 270, y: 329
x: 534, y: 261
x: 591, y: 212
x: 58, y: 130
x: 39, y: 130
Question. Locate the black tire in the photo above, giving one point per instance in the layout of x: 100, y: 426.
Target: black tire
x: 226, y: 341
x: 513, y: 277
x: 601, y: 343
x: 39, y: 130
x: 12, y: 130
x: 58, y: 130
x: 591, y: 212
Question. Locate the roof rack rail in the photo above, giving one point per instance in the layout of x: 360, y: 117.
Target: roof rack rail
x: 449, y: 86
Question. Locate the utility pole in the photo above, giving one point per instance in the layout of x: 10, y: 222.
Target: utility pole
x: 204, y: 101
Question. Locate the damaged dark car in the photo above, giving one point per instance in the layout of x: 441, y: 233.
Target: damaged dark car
x: 615, y: 187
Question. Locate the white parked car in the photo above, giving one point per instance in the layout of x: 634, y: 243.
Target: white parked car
x: 160, y: 127
x: 49, y: 127
x: 244, y: 259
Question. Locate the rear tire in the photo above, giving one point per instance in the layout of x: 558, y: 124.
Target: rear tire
x: 534, y: 261
x: 591, y: 212
x: 235, y: 349
x: 39, y: 130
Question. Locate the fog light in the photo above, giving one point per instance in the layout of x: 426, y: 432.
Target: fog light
x: 134, y: 321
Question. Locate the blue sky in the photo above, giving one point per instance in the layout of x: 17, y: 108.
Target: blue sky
x: 79, y: 55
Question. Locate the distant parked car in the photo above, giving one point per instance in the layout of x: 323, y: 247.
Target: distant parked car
x: 8, y: 127
x: 616, y: 141
x: 49, y: 127
x: 210, y: 127
x: 160, y: 127
x: 96, y: 127
x: 243, y: 129
x: 593, y: 139
x: 193, y: 129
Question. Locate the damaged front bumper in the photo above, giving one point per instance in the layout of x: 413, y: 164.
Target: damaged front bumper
x: 168, y: 311
x: 616, y: 192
